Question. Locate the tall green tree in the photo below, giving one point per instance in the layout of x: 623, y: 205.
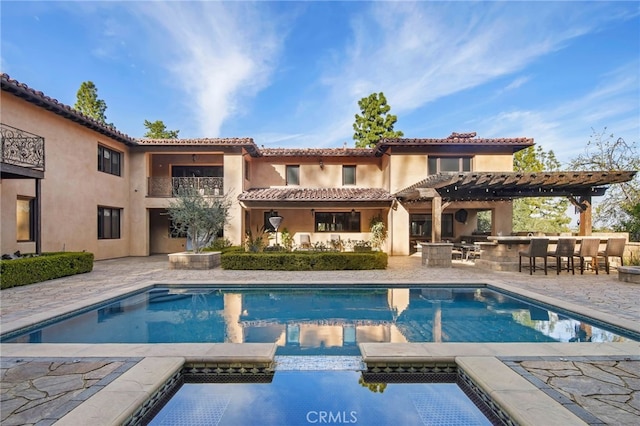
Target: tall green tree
x: 539, y: 214
x: 157, y: 130
x: 375, y: 122
x: 619, y: 209
x: 87, y: 102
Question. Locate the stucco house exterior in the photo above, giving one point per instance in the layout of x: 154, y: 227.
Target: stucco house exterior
x: 70, y: 183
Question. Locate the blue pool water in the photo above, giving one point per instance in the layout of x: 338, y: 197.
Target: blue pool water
x: 330, y: 321
x: 312, y: 397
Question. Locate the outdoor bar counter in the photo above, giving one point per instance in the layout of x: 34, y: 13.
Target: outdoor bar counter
x: 500, y: 253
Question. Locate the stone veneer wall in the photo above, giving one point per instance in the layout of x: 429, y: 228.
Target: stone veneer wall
x: 187, y: 260
x: 436, y: 255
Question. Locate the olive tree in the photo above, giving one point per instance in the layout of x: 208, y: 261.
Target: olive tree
x: 198, y: 216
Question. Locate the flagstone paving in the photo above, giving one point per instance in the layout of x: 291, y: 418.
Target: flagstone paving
x: 600, y: 390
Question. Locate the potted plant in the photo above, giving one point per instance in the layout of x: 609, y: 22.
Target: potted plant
x: 378, y: 232
x: 201, y: 218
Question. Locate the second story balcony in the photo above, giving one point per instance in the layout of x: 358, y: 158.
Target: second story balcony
x: 22, y: 154
x: 166, y: 187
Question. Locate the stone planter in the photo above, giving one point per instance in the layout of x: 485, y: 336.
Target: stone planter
x: 629, y: 274
x: 190, y: 260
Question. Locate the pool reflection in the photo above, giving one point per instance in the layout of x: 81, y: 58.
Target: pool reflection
x: 327, y: 321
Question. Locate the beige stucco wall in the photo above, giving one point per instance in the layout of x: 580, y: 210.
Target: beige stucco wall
x: 73, y: 187
x: 139, y: 215
x: 493, y: 163
x: 269, y: 171
x: 405, y: 170
x: 233, y: 179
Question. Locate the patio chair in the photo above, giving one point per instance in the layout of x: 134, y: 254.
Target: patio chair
x: 305, y: 241
x: 537, y: 248
x: 565, y: 248
x: 456, y: 253
x: 614, y: 248
x: 588, y: 250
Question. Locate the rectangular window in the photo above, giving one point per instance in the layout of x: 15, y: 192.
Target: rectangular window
x: 337, y: 221
x: 420, y: 226
x: 25, y: 219
x: 293, y: 175
x: 348, y: 175
x: 108, y: 223
x: 448, y: 164
x: 109, y: 161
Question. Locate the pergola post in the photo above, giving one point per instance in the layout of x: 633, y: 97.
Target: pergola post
x: 585, y: 216
x: 436, y: 219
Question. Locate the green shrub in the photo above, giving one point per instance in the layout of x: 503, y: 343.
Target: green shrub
x: 303, y: 261
x: 29, y: 270
x: 219, y: 244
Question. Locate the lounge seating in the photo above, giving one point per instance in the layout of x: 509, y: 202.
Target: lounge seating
x: 614, y: 248
x: 588, y: 250
x: 565, y: 248
x: 538, y: 247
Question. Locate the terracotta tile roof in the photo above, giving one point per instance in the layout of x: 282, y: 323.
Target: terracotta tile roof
x: 316, y: 152
x: 315, y: 194
x: 453, y: 139
x: 40, y: 99
x: 196, y: 141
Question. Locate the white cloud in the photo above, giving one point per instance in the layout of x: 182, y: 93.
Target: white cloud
x: 417, y: 53
x: 221, y: 53
x: 566, y: 127
x: 517, y: 83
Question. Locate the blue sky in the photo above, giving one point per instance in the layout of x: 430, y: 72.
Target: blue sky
x: 290, y: 74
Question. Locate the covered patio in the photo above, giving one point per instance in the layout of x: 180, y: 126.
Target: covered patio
x: 579, y: 187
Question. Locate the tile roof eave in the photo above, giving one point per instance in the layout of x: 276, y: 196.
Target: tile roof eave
x: 37, y: 98
x: 298, y: 194
x: 384, y: 144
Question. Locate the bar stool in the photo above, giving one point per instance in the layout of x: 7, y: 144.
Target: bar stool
x: 537, y: 248
x: 565, y: 248
x: 588, y: 249
x: 614, y: 248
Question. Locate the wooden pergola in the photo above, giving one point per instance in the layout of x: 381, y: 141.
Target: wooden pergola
x: 578, y: 186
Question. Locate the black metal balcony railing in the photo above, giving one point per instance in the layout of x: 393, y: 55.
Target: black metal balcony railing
x: 169, y: 187
x: 20, y: 148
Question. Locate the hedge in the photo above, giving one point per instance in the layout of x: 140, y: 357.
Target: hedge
x: 29, y: 270
x: 303, y: 261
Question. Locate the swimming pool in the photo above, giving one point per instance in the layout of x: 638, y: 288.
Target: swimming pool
x: 319, y: 320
